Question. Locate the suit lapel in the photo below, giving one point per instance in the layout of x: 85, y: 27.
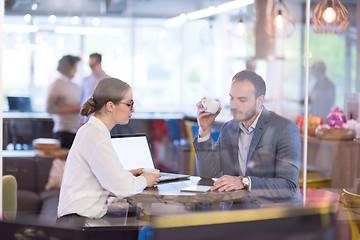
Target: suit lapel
x: 258, y: 132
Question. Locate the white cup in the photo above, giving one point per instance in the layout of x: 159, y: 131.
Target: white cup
x: 211, y: 105
x: 150, y: 170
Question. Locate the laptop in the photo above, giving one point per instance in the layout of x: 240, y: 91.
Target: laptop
x: 19, y: 104
x: 133, y: 151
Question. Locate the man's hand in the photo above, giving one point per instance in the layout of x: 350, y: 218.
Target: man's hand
x: 137, y: 172
x: 228, y: 183
x: 205, y: 119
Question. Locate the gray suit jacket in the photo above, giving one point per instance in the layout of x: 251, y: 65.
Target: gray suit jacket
x: 273, y: 160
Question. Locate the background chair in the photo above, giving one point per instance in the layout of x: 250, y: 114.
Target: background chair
x: 9, y: 196
x: 315, y: 180
x: 352, y: 207
x: 192, y: 130
x: 190, y: 134
x: 175, y: 128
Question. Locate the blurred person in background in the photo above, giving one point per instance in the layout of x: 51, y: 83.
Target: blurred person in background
x: 322, y: 95
x: 251, y: 65
x: 63, y: 101
x: 89, y: 82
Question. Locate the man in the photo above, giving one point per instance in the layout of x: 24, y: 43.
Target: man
x: 98, y: 74
x: 257, y: 150
x: 322, y: 96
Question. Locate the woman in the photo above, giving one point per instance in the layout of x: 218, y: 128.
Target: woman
x: 64, y: 101
x: 93, y: 170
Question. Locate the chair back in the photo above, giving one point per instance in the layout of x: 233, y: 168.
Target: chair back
x: 190, y: 135
x: 173, y: 128
x: 9, y: 196
x: 352, y: 207
x: 192, y: 130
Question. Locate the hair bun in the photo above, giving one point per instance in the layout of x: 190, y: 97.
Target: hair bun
x: 92, y: 102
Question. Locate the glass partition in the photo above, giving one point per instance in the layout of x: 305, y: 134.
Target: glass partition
x: 170, y: 69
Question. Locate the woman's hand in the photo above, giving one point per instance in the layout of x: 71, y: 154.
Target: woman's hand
x: 151, y: 178
x: 137, y: 172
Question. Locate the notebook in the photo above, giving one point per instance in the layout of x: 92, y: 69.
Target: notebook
x: 134, y: 152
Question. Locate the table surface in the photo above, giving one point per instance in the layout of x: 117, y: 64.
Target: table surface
x: 166, y: 192
x: 167, y: 199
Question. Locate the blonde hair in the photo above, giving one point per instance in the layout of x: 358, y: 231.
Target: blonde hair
x: 108, y: 89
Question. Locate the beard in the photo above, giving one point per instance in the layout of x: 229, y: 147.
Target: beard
x: 243, y: 116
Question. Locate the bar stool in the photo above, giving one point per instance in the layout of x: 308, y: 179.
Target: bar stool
x: 352, y: 206
x: 315, y: 180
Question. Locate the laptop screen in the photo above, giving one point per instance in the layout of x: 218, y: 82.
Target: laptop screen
x: 133, y: 151
x: 20, y: 104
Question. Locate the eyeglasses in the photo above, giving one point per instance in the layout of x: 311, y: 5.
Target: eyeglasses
x: 130, y: 105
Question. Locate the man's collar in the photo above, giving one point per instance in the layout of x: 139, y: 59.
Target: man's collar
x: 253, y: 125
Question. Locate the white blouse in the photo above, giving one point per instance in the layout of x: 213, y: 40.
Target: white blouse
x: 92, y: 171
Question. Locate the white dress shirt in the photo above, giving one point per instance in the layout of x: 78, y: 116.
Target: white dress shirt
x: 92, y: 172
x: 244, y: 143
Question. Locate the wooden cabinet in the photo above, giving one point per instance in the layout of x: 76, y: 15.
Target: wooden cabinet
x: 339, y: 160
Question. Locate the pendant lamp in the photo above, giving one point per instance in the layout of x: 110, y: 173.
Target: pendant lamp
x: 330, y: 16
x: 279, y: 22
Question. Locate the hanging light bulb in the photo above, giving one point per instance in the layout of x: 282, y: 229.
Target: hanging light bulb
x: 34, y: 6
x: 279, y: 21
x: 330, y: 16
x: 240, y: 27
x: 52, y: 19
x: 96, y: 22
x: 27, y: 18
x: 75, y: 20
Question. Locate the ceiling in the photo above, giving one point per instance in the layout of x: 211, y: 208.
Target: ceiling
x: 139, y: 8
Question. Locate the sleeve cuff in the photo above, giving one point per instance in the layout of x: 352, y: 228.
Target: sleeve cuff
x: 249, y: 183
x: 203, y: 139
x: 144, y: 183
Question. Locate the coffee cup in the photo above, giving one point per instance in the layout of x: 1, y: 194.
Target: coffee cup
x: 211, y: 105
x: 150, y: 170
